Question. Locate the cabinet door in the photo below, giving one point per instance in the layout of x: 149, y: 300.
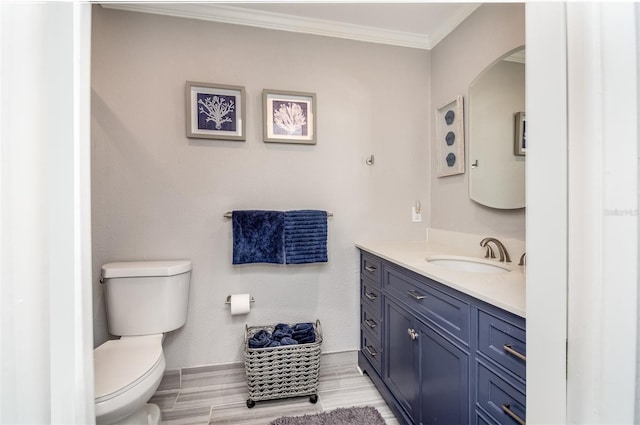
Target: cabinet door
x: 400, y: 371
x: 444, y: 373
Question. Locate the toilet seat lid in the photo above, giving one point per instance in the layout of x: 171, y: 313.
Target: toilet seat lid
x: 120, y: 363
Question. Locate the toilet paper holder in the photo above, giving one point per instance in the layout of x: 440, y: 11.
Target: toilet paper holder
x: 228, y: 301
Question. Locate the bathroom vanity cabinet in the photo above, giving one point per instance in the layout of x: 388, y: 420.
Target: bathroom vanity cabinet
x: 437, y: 355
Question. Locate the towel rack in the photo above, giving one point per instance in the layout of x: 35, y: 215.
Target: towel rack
x: 229, y: 214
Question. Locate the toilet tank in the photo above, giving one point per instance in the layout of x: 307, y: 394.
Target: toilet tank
x: 146, y: 297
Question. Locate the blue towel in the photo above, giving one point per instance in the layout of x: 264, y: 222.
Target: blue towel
x: 305, y: 236
x: 304, y: 333
x: 260, y: 339
x: 283, y: 327
x: 288, y: 341
x: 258, y: 237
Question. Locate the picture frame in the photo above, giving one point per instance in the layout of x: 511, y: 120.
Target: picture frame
x: 215, y: 111
x: 450, y: 138
x: 289, y: 117
x: 520, y: 140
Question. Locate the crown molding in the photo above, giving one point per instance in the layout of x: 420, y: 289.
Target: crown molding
x: 452, y: 22
x: 283, y: 22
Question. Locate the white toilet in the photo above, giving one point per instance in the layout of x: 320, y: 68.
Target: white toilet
x: 144, y: 299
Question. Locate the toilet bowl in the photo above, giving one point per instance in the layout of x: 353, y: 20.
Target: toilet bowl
x: 127, y: 373
x: 144, y: 300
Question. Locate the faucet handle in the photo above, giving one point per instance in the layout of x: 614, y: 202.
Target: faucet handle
x: 490, y: 253
x: 523, y: 260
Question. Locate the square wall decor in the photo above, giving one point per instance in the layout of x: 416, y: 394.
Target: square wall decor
x: 450, y: 138
x: 289, y: 117
x: 215, y: 111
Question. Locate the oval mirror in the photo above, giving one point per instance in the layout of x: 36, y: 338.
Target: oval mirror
x: 497, y: 133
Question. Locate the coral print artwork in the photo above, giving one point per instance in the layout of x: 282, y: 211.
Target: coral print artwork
x: 216, y: 112
x: 290, y: 118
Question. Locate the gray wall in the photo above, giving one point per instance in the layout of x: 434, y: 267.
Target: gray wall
x: 490, y: 32
x: 158, y: 195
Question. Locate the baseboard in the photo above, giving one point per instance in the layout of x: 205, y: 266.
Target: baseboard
x: 172, y: 377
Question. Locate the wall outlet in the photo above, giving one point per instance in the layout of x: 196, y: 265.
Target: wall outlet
x: 416, y: 217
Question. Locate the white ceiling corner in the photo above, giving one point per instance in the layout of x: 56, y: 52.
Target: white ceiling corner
x: 304, y: 24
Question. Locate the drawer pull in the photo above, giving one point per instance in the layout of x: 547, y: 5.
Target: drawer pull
x: 506, y: 408
x: 413, y: 294
x: 412, y: 334
x: 371, y: 351
x: 372, y: 324
x: 370, y: 269
x: 371, y: 296
x: 508, y: 349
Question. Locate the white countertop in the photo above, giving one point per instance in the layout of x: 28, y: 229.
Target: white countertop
x: 504, y: 290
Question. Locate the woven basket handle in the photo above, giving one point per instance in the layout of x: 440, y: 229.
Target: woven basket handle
x: 318, y: 327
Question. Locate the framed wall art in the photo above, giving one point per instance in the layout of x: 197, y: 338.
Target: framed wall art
x: 289, y: 117
x: 520, y: 142
x: 215, y: 111
x: 450, y: 138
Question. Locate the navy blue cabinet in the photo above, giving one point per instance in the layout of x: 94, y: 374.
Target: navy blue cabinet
x: 436, y: 355
x: 444, y: 371
x: 401, y: 357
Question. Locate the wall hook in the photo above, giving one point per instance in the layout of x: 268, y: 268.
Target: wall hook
x: 370, y: 160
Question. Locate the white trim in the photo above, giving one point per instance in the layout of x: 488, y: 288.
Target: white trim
x: 299, y: 24
x: 603, y: 207
x: 546, y: 86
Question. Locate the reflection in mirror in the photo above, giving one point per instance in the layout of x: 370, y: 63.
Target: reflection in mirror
x: 497, y: 133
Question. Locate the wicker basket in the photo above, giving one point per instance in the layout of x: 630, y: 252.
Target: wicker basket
x: 284, y: 371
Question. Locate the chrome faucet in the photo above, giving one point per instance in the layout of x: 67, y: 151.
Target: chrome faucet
x: 504, y: 255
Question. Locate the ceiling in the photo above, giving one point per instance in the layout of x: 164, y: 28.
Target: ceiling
x: 414, y: 24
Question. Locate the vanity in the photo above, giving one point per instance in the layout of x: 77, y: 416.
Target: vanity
x: 443, y: 343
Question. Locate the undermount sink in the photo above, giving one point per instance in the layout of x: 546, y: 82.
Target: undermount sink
x: 468, y: 264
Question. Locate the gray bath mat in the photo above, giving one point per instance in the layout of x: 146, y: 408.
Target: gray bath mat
x: 342, y: 416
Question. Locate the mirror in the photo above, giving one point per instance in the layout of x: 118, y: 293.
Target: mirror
x: 497, y: 133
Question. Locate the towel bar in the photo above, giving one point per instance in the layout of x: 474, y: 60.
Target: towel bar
x: 228, y: 301
x: 229, y: 214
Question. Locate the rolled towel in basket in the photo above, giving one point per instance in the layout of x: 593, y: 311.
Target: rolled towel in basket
x: 304, y: 333
x: 260, y: 339
x: 303, y: 327
x: 282, y: 330
x: 288, y: 341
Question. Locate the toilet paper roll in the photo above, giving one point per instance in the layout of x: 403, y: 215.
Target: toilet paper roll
x: 240, y: 304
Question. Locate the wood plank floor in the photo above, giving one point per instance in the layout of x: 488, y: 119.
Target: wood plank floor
x: 218, y: 394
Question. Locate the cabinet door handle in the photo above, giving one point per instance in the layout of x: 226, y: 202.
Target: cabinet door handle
x: 372, y: 324
x: 371, y: 351
x: 514, y: 353
x: 412, y: 334
x: 413, y: 294
x: 370, y: 269
x: 371, y: 296
x: 506, y: 408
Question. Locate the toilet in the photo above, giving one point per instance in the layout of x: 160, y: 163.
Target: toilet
x: 144, y: 300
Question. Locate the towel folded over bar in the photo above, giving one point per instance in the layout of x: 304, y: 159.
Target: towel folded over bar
x: 291, y: 237
x: 258, y: 237
x: 305, y: 236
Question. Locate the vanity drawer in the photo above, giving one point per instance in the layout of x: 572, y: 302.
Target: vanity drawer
x: 449, y: 313
x: 370, y: 266
x: 502, y: 342
x: 371, y: 296
x: 371, y: 349
x: 500, y: 399
x: 371, y: 322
